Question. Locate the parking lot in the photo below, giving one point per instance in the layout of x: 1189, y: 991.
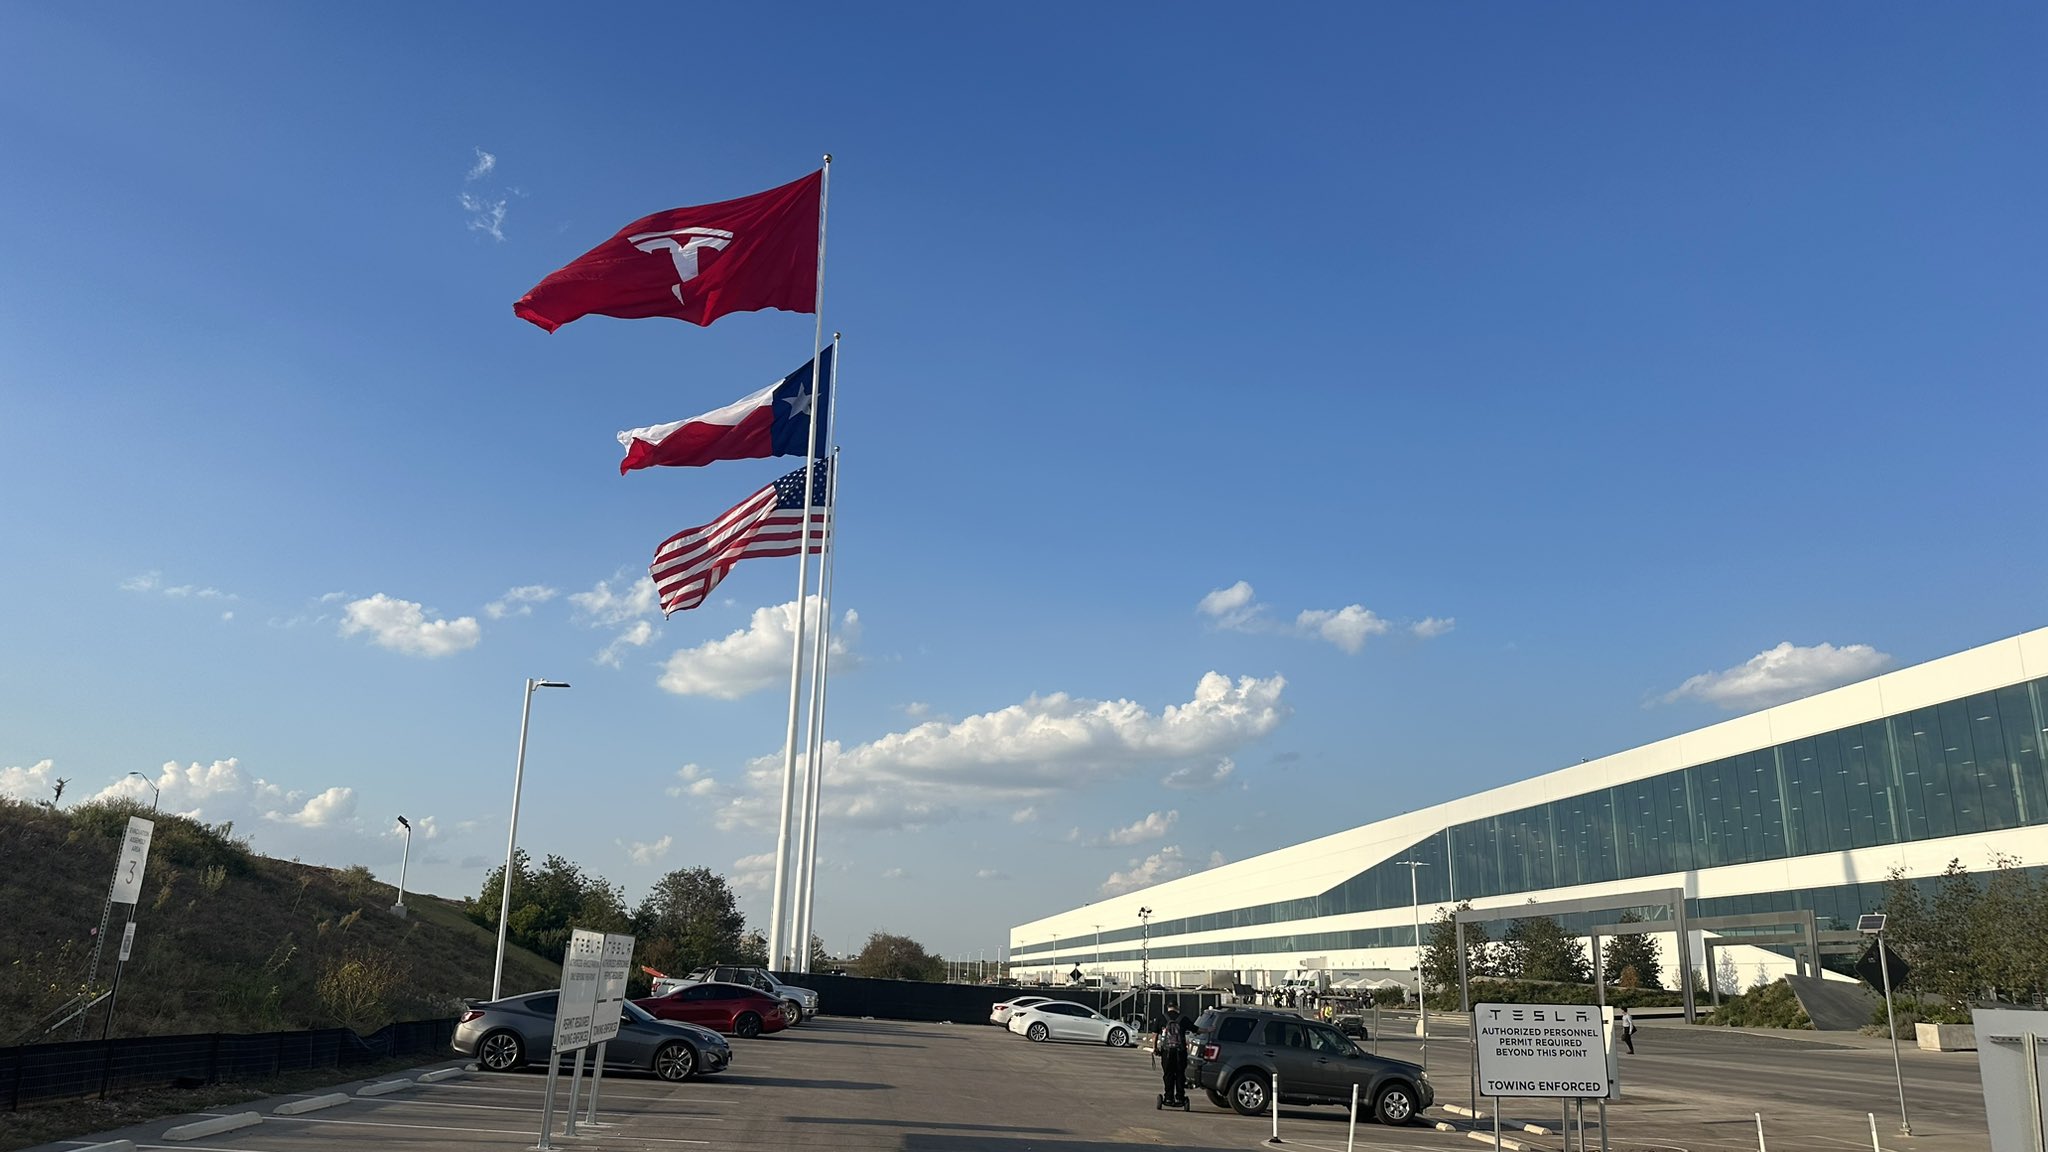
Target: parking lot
x: 898, y: 1087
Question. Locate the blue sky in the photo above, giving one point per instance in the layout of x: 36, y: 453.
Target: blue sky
x: 1253, y: 427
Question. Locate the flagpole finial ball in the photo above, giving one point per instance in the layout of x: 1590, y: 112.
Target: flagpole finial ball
x: 828, y: 157
x: 835, y: 335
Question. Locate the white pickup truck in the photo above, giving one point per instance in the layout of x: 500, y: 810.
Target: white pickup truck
x: 798, y: 1004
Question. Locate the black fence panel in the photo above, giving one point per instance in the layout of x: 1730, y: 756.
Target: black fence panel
x: 970, y: 1003
x: 82, y: 1068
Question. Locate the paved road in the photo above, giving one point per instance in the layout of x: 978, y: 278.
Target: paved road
x: 872, y: 1086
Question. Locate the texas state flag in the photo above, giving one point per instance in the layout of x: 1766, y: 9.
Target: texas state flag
x: 776, y: 421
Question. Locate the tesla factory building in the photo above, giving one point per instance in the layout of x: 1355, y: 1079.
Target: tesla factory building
x: 1806, y: 806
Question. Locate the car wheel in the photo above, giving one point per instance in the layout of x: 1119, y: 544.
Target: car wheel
x: 1248, y: 1094
x: 1037, y: 1033
x: 1217, y: 1098
x: 501, y: 1052
x: 1396, y: 1105
x: 1118, y: 1038
x: 676, y: 1061
x: 747, y: 1026
x: 792, y: 1012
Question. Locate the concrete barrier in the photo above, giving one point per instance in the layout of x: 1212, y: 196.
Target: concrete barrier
x: 212, y: 1127
x: 311, y: 1104
x: 110, y: 1146
x: 384, y: 1088
x: 1510, y: 1145
x: 440, y: 1074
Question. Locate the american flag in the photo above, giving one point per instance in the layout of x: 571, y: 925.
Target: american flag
x: 689, y: 564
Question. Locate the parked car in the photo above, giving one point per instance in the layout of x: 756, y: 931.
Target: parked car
x: 1235, y: 1052
x: 798, y: 1004
x: 1066, y: 1020
x: 501, y: 1035
x: 1000, y: 1013
x: 734, y: 1008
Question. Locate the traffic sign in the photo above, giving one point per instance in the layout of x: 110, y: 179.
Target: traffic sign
x: 1872, y: 968
x: 615, y: 963
x: 127, y: 941
x: 581, y: 966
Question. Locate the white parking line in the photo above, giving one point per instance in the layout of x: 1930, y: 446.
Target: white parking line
x: 536, y: 1111
x: 454, y: 1128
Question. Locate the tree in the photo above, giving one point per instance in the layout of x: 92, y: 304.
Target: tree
x: 2009, y: 934
x: 1440, y: 950
x: 689, y: 919
x: 887, y: 957
x: 1633, y: 950
x: 548, y: 902
x: 1535, y: 948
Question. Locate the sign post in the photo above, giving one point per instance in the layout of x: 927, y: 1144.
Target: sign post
x: 1551, y: 1051
x: 573, y: 1009
x: 127, y: 890
x: 615, y: 964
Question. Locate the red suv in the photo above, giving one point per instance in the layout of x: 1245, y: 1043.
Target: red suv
x: 734, y: 1008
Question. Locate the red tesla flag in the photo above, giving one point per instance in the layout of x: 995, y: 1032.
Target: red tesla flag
x: 694, y: 264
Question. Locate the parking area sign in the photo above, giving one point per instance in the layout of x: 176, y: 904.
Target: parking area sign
x: 614, y: 966
x: 1553, y: 1050
x: 582, y: 964
x: 127, y: 887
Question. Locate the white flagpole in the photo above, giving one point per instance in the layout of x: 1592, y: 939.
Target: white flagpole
x: 814, y: 736
x: 807, y: 873
x: 779, y: 913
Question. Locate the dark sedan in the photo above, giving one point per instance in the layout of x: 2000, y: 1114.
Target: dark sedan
x: 505, y: 1034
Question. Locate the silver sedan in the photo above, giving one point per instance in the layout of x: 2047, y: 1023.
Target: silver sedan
x: 505, y: 1034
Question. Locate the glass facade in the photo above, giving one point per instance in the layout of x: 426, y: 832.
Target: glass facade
x: 1962, y: 767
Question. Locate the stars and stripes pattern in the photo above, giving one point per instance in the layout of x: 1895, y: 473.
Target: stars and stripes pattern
x: 689, y: 564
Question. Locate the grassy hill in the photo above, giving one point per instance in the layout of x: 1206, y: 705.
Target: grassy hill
x: 226, y: 940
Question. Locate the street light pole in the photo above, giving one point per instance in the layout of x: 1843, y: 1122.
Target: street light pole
x: 1145, y: 964
x: 404, y: 859
x: 156, y: 791
x: 1098, y: 949
x: 1421, y: 997
x: 512, y: 834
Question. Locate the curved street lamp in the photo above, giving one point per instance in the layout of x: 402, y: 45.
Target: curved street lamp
x: 512, y: 833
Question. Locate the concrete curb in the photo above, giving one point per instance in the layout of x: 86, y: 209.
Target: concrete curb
x: 110, y: 1146
x: 1532, y: 1129
x: 312, y: 1104
x: 1461, y: 1110
x: 1446, y: 1126
x: 440, y: 1074
x: 384, y: 1088
x: 1510, y: 1145
x: 213, y: 1127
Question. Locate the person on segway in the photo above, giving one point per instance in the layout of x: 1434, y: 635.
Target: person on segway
x: 1171, y: 1046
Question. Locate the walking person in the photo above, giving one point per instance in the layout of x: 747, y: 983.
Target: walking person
x: 1628, y: 1031
x: 1171, y: 1046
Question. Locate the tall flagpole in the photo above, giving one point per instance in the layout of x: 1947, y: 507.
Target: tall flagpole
x: 777, y: 924
x: 807, y: 872
x: 814, y: 735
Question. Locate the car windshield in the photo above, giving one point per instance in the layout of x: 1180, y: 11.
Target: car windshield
x: 632, y: 1011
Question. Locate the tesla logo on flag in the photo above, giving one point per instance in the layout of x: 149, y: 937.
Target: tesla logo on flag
x: 681, y: 244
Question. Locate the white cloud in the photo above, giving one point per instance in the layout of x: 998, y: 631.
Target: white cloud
x: 423, y: 828
x: 1346, y: 627
x: 1232, y: 607
x: 1430, y: 627
x: 991, y: 874
x: 332, y: 806
x: 1166, y: 864
x: 484, y: 163
x: 1024, y: 815
x: 694, y: 781
x: 636, y: 635
x: 1786, y: 672
x: 485, y: 207
x: 147, y: 581
x: 1154, y: 826
x: 894, y: 873
x: 601, y: 607
x: 519, y: 601
x: 152, y: 581
x: 916, y: 709
x: 402, y: 626
x: 753, y: 658
x: 35, y: 782
x: 642, y: 853
x: 229, y: 615
x: 1011, y: 758
x: 1194, y: 777
x: 753, y: 873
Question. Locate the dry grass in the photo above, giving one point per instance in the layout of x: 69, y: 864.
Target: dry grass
x: 226, y: 940
x: 68, y: 1119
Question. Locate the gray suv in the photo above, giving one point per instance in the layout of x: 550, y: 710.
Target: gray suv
x: 1235, y: 1052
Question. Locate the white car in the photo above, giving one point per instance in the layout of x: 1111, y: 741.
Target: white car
x: 1000, y: 1014
x: 1066, y: 1020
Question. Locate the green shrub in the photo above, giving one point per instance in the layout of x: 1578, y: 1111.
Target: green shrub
x: 1768, y: 1006
x: 177, y: 839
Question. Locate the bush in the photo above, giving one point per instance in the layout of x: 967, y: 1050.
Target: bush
x: 357, y: 989
x: 177, y: 839
x: 1769, y: 1006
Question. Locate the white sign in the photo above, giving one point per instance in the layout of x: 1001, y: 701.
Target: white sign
x: 127, y: 941
x: 615, y: 965
x: 1554, y: 1050
x: 581, y: 965
x: 134, y: 856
